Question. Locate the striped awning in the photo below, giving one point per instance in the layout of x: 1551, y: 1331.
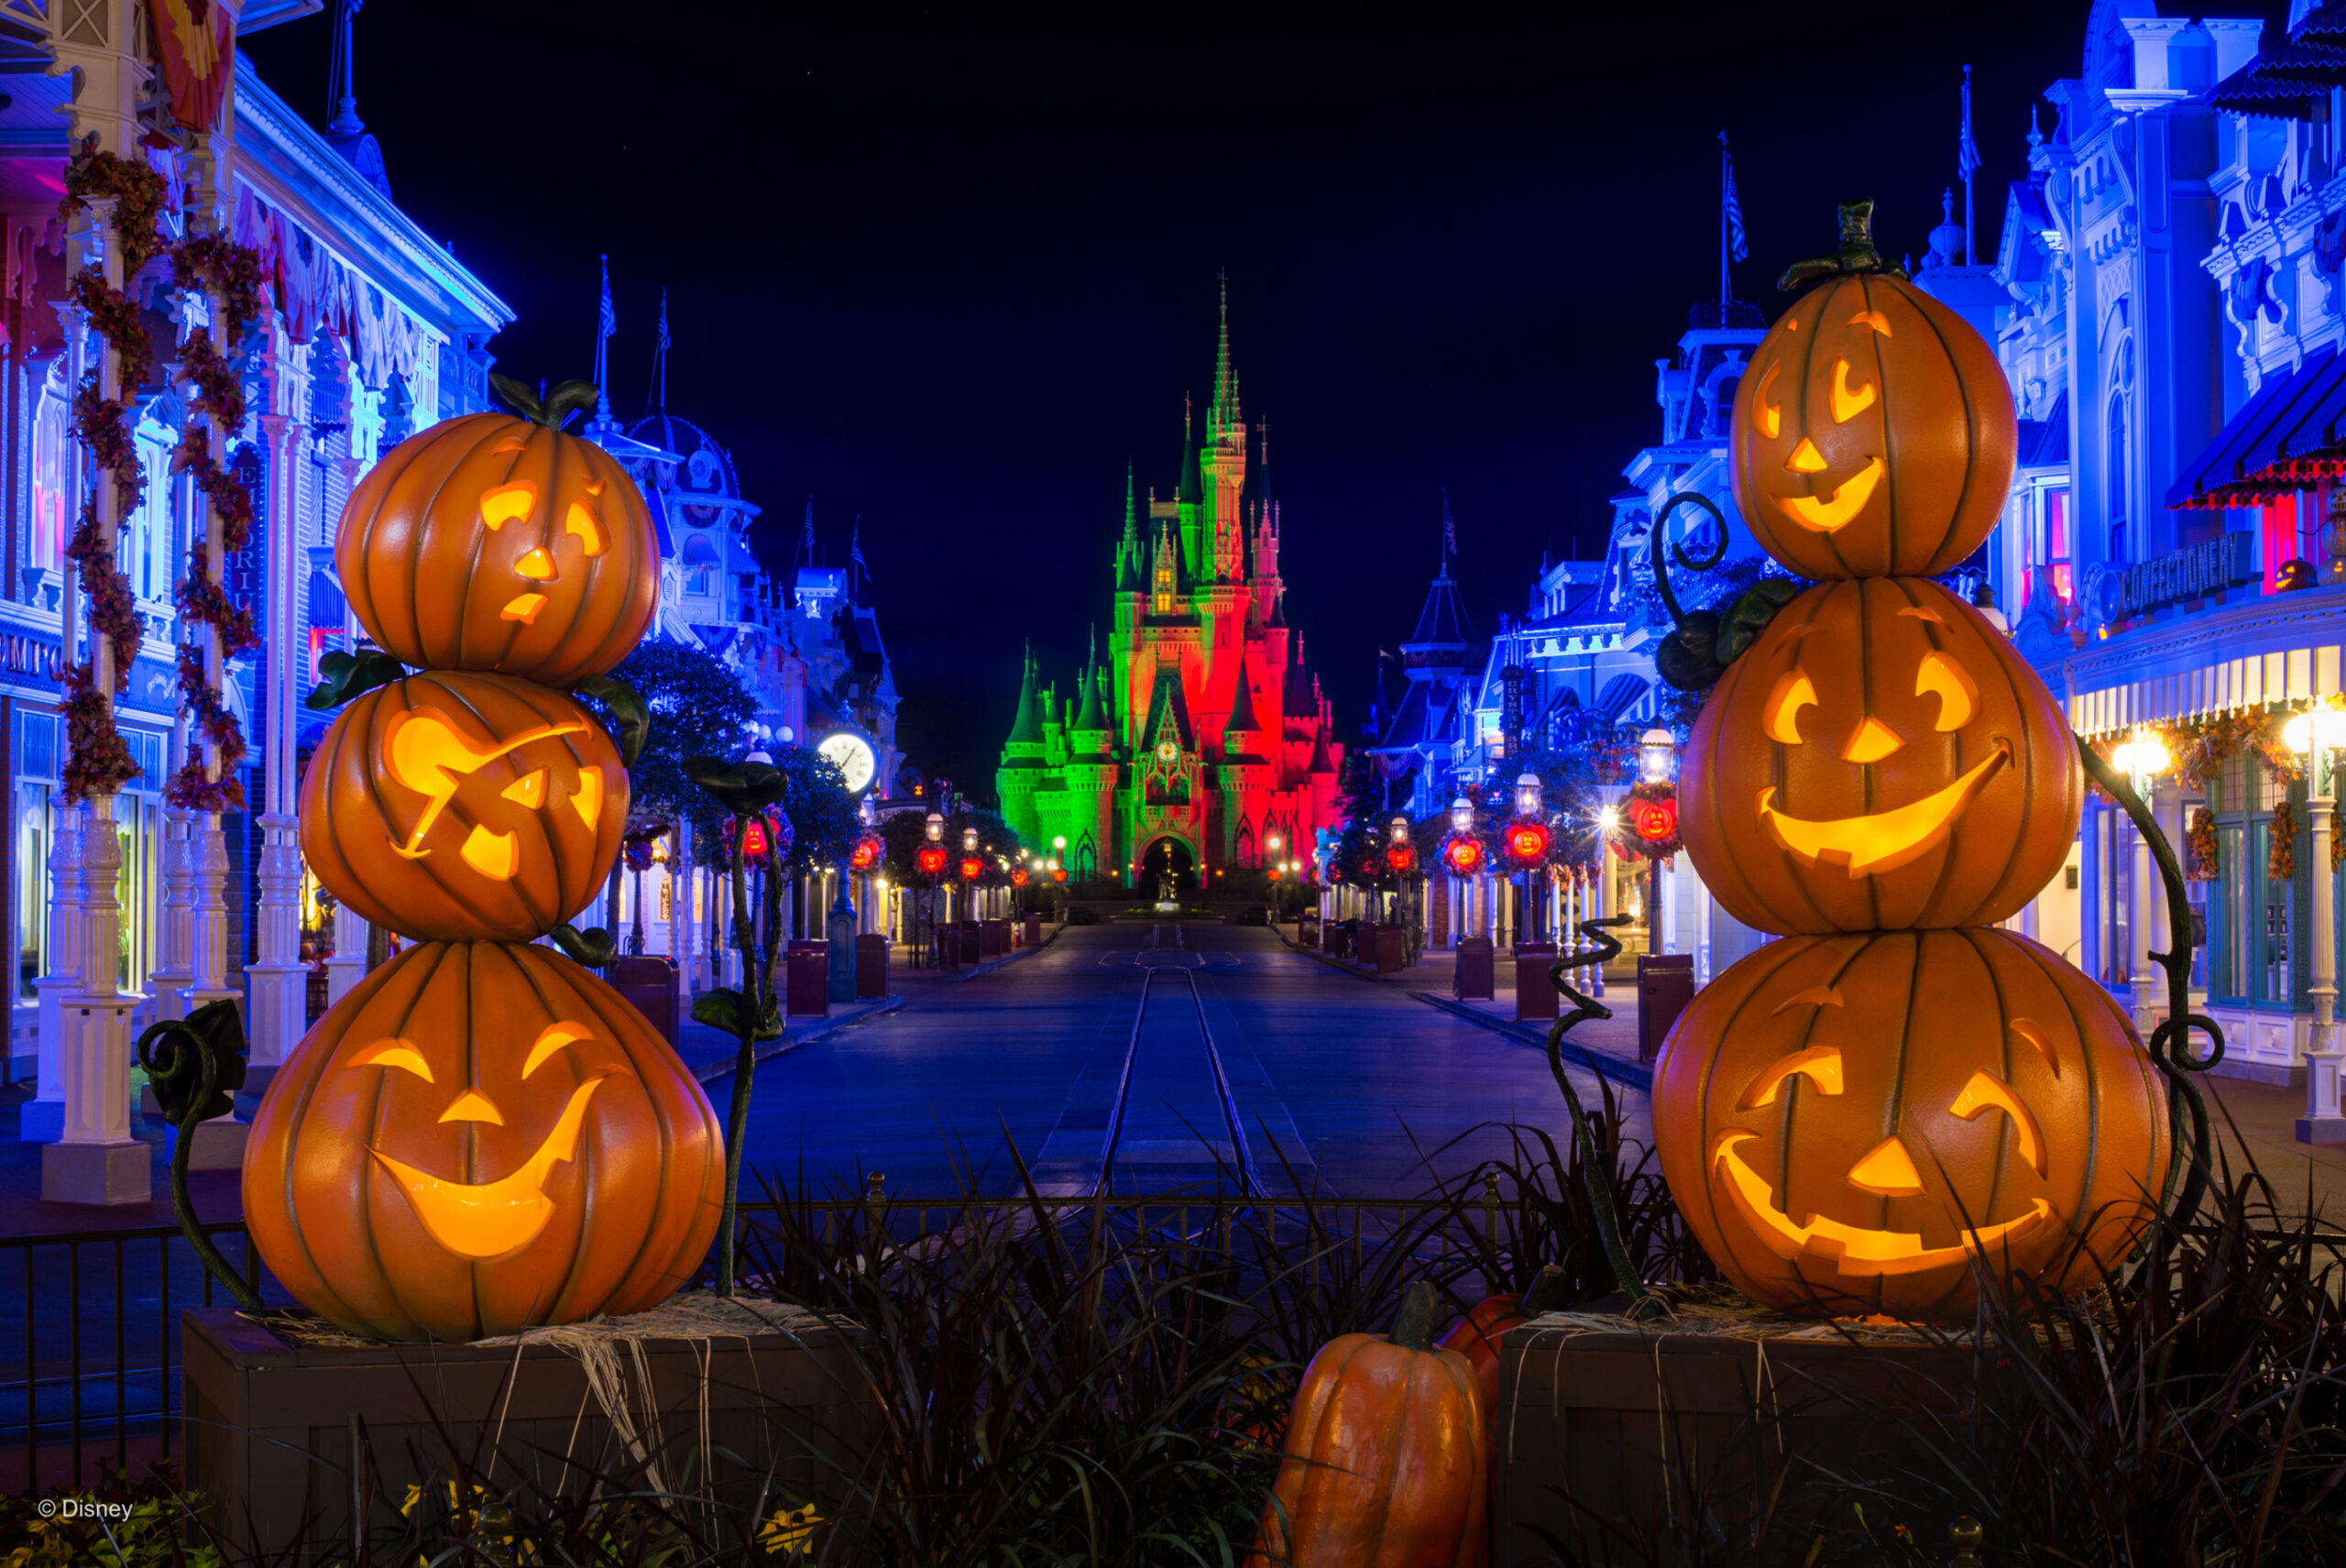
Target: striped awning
x: 2254, y: 680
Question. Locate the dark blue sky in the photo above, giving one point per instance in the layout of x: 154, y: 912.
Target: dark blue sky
x: 950, y: 274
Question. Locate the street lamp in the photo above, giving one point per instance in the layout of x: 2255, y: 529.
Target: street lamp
x: 1527, y: 794
x: 1462, y: 816
x: 2313, y: 736
x: 1657, y: 761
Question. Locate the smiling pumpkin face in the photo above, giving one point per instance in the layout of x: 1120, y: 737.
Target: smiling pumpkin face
x: 1849, y: 1121
x: 478, y: 1138
x: 491, y: 543
x: 455, y: 808
x: 1879, y: 757
x: 1873, y: 434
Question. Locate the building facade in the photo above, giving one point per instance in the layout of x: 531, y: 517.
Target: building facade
x: 1196, y: 740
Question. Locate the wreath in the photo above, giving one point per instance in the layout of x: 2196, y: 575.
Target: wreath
x: 1649, y: 820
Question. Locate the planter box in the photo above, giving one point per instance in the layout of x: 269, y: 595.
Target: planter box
x: 1612, y: 1441
x: 268, y: 1437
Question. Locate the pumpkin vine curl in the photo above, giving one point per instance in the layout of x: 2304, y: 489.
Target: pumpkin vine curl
x: 1642, y: 1303
x: 1703, y: 642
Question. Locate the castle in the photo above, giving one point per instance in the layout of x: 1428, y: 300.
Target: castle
x: 1200, y: 742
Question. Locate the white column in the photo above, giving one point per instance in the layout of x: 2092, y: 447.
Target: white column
x: 347, y: 965
x: 42, y: 1118
x: 275, y: 1014
x: 2323, y: 1123
x: 2147, y: 981
x: 1664, y: 921
x: 1702, y: 907
x: 176, y: 934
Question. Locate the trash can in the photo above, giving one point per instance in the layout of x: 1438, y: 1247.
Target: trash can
x: 1665, y: 984
x: 650, y: 983
x: 870, y: 966
x: 1535, y: 992
x: 972, y: 943
x: 1033, y: 930
x: 1307, y: 929
x: 807, y: 982
x: 1475, y: 977
x: 1392, y: 948
x: 994, y: 939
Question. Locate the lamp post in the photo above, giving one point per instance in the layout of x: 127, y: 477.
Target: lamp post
x: 2142, y: 758
x: 932, y: 864
x: 1527, y: 808
x: 1657, y: 763
x: 2313, y: 736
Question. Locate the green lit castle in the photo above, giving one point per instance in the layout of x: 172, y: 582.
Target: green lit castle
x: 1199, y: 742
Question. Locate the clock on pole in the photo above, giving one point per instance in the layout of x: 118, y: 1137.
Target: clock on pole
x: 851, y: 751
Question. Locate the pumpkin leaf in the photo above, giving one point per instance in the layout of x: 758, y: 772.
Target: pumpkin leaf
x: 352, y: 674
x: 1685, y: 658
x: 1749, y: 616
x: 179, y: 1054
x: 631, y: 715
x: 593, y: 947
x: 742, y: 788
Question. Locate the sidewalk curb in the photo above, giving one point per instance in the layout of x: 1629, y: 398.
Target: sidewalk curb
x: 1605, y: 1064
x: 1010, y: 957
x: 773, y: 1048
x: 1339, y: 965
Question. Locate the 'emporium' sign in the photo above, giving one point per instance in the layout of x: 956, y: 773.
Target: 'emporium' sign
x: 2193, y: 572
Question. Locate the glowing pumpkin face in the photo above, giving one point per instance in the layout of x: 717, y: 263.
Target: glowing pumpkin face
x: 457, y: 807
x: 1879, y: 757
x: 478, y: 1138
x: 491, y: 543
x: 1873, y: 434
x: 1847, y: 1122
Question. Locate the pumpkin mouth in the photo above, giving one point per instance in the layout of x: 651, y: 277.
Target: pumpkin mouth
x: 478, y: 1220
x: 1857, y: 1254
x: 1830, y: 514
x: 1883, y: 840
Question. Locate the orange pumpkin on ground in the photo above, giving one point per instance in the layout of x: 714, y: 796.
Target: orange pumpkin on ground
x: 1847, y: 1121
x: 463, y: 807
x: 1388, y: 1456
x: 1874, y: 433
x: 493, y: 542
x: 1879, y: 757
x: 1478, y: 1333
x: 478, y: 1138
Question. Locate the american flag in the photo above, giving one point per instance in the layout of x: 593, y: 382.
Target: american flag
x: 806, y: 537
x: 664, y: 315
x: 1967, y: 151
x: 855, y: 547
x: 1737, y: 244
x: 609, y: 322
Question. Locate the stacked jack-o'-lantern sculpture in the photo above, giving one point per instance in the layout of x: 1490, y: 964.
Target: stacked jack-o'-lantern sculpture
x: 1853, y: 1118
x: 482, y: 1136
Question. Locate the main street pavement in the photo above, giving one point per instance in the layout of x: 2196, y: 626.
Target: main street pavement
x: 1336, y: 1083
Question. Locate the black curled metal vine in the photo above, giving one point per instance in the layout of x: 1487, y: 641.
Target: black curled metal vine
x: 2170, y: 1043
x: 1702, y: 643
x: 1600, y: 1191
x: 195, y: 1065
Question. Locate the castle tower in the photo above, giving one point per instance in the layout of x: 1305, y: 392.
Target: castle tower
x: 1023, y: 761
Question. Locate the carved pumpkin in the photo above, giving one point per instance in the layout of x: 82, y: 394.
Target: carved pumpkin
x: 459, y: 807
x: 1389, y: 1457
x: 1845, y: 1120
x: 1873, y: 434
x: 1879, y: 757
x: 492, y: 543
x: 480, y: 1138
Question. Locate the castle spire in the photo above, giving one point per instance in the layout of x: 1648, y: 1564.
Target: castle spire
x: 1028, y: 728
x: 1225, y: 413
x: 1089, y: 716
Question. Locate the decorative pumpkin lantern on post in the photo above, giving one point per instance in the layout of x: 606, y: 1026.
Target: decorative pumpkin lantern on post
x: 1901, y: 1101
x: 483, y: 1136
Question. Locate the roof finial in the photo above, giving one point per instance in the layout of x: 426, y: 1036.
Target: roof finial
x: 1449, y: 533
x: 1224, y: 413
x: 659, y: 356
x: 2036, y: 136
x: 605, y: 322
x: 340, y: 89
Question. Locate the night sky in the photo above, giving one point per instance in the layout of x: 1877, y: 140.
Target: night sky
x: 952, y: 274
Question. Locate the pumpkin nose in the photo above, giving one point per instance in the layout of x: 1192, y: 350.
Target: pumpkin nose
x: 1888, y: 1171
x: 472, y: 1105
x: 1872, y: 742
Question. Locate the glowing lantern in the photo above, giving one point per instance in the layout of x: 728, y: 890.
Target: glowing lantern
x: 463, y: 807
x: 480, y: 1138
x: 1864, y: 371
x: 972, y: 867
x: 492, y: 543
x: 1526, y: 842
x: 1463, y: 856
x: 1401, y: 857
x: 1845, y: 1120
x: 1018, y: 877
x: 1879, y: 757
x: 866, y: 854
x: 931, y: 860
x: 1655, y: 820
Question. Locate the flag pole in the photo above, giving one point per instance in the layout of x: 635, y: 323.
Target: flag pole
x: 1970, y: 166
x: 1725, y: 293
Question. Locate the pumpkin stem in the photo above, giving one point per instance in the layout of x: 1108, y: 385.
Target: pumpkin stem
x: 1413, y: 1324
x: 1548, y: 1292
x: 1857, y: 253
x: 556, y: 406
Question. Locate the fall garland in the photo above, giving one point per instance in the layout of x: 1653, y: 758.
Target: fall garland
x: 98, y: 761
x: 229, y: 276
x: 2281, y: 861
x: 2199, y: 847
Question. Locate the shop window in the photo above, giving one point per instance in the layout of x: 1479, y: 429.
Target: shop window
x: 2228, y: 932
x: 2114, y: 475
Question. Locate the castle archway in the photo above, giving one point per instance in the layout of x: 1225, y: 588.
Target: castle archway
x: 1168, y: 857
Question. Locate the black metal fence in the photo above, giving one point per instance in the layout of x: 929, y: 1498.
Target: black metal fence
x: 90, y: 1349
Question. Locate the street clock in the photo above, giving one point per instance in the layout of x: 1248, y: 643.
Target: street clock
x: 1168, y: 752
x: 853, y: 755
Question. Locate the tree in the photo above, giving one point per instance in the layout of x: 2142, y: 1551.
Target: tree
x: 698, y: 709
x: 821, y: 812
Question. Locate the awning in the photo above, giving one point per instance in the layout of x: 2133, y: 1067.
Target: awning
x: 2284, y: 439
